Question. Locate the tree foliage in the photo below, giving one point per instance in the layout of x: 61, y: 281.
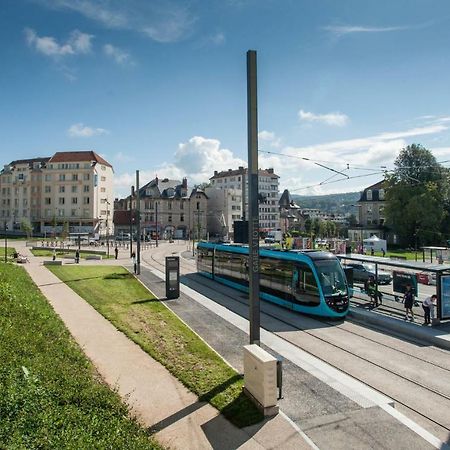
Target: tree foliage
x: 26, y: 226
x: 416, y: 197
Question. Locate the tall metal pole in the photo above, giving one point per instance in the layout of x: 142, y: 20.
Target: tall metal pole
x: 156, y: 217
x: 138, y: 226
x: 107, y: 227
x: 131, y: 221
x: 6, y: 243
x: 253, y: 213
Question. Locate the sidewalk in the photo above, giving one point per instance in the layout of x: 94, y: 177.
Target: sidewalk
x: 159, y: 400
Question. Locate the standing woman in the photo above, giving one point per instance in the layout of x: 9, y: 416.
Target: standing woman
x: 408, y: 300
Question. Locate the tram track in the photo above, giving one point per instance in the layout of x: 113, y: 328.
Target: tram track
x: 428, y: 391
x: 344, y: 330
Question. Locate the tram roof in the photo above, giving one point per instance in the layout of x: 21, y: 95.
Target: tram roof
x: 414, y: 265
x: 313, y: 254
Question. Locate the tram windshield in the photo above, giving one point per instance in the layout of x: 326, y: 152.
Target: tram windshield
x: 331, y: 277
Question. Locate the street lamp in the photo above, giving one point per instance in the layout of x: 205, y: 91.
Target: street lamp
x: 107, y: 225
x: 6, y: 242
x: 156, y: 222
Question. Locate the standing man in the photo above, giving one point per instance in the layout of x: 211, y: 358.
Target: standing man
x: 116, y: 252
x: 77, y: 256
x: 428, y: 306
x: 133, y: 257
x: 408, y: 300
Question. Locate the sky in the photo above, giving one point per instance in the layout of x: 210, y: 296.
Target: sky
x: 160, y: 85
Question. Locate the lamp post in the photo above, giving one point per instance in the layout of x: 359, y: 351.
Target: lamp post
x: 156, y: 221
x: 131, y: 221
x: 138, y: 226
x: 6, y: 242
x: 107, y: 225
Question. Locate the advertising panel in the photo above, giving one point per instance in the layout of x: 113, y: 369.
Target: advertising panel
x: 402, y: 279
x: 444, y: 301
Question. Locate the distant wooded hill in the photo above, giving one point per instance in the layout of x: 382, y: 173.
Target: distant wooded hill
x: 333, y: 203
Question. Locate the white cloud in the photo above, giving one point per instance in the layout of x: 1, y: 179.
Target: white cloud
x: 121, y: 157
x: 80, y: 130
x: 161, y: 20
x: 341, y: 30
x: 118, y: 55
x: 217, y: 39
x: 77, y: 43
x: 199, y: 157
x: 268, y: 138
x: 336, y: 119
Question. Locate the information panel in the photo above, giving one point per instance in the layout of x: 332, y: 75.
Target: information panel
x: 172, y: 276
x: 444, y: 301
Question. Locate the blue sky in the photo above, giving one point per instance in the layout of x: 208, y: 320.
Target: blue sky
x: 160, y: 86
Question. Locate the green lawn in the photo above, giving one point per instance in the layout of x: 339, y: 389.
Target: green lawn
x: 411, y: 256
x: 123, y: 300
x: 51, y: 396
x: 60, y: 253
x: 9, y: 253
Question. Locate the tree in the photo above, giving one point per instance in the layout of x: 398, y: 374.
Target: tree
x: 322, y: 228
x: 65, y: 230
x: 308, y: 225
x: 352, y: 220
x: 415, y: 164
x: 316, y: 226
x: 415, y: 206
x: 25, y: 226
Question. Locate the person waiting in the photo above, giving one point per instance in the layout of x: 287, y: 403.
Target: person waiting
x: 371, y: 288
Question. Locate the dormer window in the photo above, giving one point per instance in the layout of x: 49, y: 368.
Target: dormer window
x: 381, y: 194
x: 369, y: 194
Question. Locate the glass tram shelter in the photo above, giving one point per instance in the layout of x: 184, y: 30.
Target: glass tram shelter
x: 407, y: 272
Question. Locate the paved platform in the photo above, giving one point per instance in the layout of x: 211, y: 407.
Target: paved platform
x: 390, y: 317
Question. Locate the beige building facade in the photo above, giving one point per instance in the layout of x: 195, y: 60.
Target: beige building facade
x: 70, y: 190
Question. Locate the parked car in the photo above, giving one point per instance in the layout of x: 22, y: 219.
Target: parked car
x: 426, y: 277
x: 123, y: 237
x: 269, y: 240
x: 362, y: 272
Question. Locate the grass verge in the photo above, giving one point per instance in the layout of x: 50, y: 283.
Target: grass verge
x: 118, y: 296
x: 66, y: 253
x: 9, y: 253
x: 51, y: 396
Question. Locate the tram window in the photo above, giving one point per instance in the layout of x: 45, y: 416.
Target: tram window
x: 231, y: 266
x: 276, y: 277
x: 205, y: 259
x: 306, y: 290
x: 331, y: 277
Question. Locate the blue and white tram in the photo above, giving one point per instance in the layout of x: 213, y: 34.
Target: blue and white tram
x: 310, y: 282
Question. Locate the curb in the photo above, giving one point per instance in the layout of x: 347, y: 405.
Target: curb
x: 427, y: 335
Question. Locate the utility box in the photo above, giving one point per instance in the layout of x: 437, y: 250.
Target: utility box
x: 260, y: 378
x: 172, y: 277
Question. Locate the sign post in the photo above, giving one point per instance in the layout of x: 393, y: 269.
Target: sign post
x: 253, y: 211
x: 138, y: 225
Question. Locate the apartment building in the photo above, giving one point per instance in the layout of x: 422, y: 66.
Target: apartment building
x: 72, y: 190
x: 169, y: 207
x: 370, y: 214
x: 236, y: 182
x: 224, y: 207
